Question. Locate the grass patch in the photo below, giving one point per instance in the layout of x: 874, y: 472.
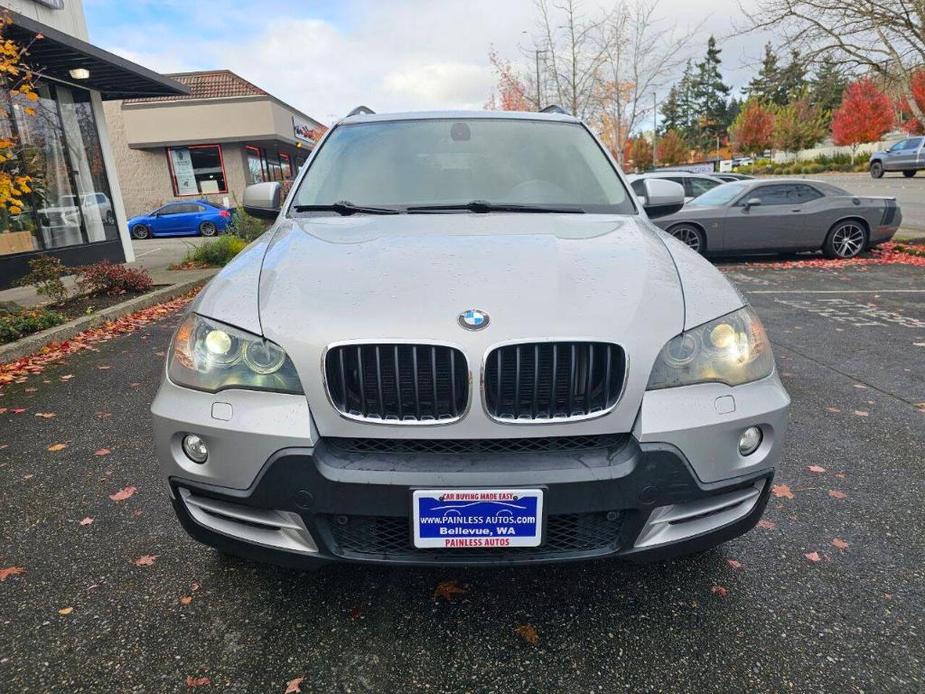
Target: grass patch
x: 216, y: 252
x: 17, y: 324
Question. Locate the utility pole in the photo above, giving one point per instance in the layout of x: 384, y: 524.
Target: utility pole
x: 654, y: 130
x: 539, y: 105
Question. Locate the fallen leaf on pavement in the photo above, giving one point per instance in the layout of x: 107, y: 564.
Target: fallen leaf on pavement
x: 734, y: 564
x: 192, y: 682
x: 833, y: 409
x: 67, y: 377
x: 721, y: 591
x: 838, y: 542
x: 294, y: 686
x: 813, y: 556
x: 782, y: 491
x: 448, y: 590
x: 195, y: 586
x: 104, y: 415
x: 11, y: 571
x: 122, y: 494
x: 65, y: 610
x: 766, y: 524
x: 145, y: 560
x: 103, y: 367
x: 45, y: 415
x: 861, y: 413
x: 840, y: 475
x: 355, y: 613
x: 835, y: 494
x: 86, y: 521
x: 18, y: 410
x: 103, y: 451
x: 186, y: 599
x: 816, y: 468
x: 57, y: 447
x: 528, y: 633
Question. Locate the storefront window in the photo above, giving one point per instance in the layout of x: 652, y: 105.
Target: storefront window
x: 57, y: 145
x: 274, y: 169
x: 255, y: 165
x: 197, y: 169
x: 286, y: 163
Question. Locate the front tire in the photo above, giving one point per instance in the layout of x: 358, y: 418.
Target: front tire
x: 876, y: 170
x: 140, y: 232
x: 690, y: 236
x: 845, y: 240
x: 909, y: 174
x: 208, y: 229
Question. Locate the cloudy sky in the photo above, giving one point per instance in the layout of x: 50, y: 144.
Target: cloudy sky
x: 327, y: 56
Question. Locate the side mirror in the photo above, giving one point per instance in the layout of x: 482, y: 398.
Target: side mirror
x: 263, y: 200
x: 752, y: 202
x: 661, y: 197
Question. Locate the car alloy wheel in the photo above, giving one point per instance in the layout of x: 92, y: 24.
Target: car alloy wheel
x: 207, y: 229
x: 848, y: 240
x: 876, y: 170
x: 140, y: 231
x: 689, y: 235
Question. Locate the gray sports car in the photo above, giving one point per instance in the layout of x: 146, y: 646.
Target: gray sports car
x: 769, y: 216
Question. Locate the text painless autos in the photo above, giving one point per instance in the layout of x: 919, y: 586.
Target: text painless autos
x: 463, y: 341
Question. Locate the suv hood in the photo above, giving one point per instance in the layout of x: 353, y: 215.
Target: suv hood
x: 327, y: 280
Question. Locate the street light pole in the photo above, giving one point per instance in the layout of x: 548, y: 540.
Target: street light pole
x: 539, y: 105
x: 654, y: 131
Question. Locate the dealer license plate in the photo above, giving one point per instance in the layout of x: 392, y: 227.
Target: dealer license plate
x: 477, y: 518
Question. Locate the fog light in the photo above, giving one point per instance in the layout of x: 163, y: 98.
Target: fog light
x: 750, y: 440
x: 197, y: 451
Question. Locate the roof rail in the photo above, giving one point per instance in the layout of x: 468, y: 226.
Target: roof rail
x: 554, y: 108
x: 361, y: 110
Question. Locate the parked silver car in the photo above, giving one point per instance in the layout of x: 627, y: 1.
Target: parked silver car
x: 906, y: 155
x: 783, y: 215
x: 463, y: 341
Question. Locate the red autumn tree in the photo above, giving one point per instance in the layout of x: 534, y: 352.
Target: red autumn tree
x: 865, y: 115
x: 752, y: 131
x: 511, y: 91
x: 911, y: 124
x: 672, y: 149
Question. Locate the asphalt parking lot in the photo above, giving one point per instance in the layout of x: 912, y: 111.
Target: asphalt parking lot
x: 127, y: 602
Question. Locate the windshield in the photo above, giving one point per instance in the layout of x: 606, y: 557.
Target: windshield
x: 453, y: 162
x: 720, y: 195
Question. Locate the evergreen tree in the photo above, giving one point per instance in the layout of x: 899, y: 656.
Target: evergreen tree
x: 828, y: 85
x: 710, y: 96
x: 687, y: 101
x: 792, y: 82
x: 672, y: 116
x: 764, y: 85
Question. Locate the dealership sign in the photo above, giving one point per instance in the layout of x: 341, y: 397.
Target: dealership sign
x: 302, y: 130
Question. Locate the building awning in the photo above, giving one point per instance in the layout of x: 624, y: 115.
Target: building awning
x: 57, y: 53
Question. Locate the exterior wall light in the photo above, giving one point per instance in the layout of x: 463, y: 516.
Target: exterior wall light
x: 79, y: 73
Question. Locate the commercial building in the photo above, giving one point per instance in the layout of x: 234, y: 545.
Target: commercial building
x: 75, y: 209
x: 209, y: 143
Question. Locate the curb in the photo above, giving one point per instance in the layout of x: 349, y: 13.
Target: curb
x: 33, y: 343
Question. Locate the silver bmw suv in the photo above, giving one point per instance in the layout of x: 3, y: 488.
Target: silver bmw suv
x: 464, y: 342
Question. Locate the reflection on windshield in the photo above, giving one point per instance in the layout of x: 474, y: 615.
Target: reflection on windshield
x: 496, y: 161
x: 721, y: 195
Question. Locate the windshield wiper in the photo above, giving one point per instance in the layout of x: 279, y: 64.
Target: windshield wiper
x: 344, y: 207
x: 485, y: 206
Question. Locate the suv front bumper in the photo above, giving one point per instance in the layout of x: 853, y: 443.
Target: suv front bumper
x: 311, y: 505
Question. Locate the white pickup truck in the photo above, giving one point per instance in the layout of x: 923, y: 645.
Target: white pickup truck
x: 906, y: 155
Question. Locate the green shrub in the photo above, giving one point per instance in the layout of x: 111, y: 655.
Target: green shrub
x: 246, y: 226
x: 107, y: 278
x: 16, y: 325
x: 46, y: 274
x: 215, y: 252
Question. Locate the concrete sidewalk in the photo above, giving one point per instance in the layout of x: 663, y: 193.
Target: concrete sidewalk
x: 154, y: 255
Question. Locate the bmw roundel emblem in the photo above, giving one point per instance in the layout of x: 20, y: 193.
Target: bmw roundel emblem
x: 473, y: 319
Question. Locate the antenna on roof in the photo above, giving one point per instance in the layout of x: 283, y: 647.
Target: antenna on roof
x: 555, y: 108
x: 361, y: 110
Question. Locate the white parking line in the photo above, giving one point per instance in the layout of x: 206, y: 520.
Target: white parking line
x: 835, y: 291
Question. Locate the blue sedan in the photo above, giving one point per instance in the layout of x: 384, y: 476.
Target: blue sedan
x: 181, y: 219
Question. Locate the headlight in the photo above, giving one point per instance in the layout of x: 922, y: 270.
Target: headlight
x: 211, y: 356
x: 732, y: 349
